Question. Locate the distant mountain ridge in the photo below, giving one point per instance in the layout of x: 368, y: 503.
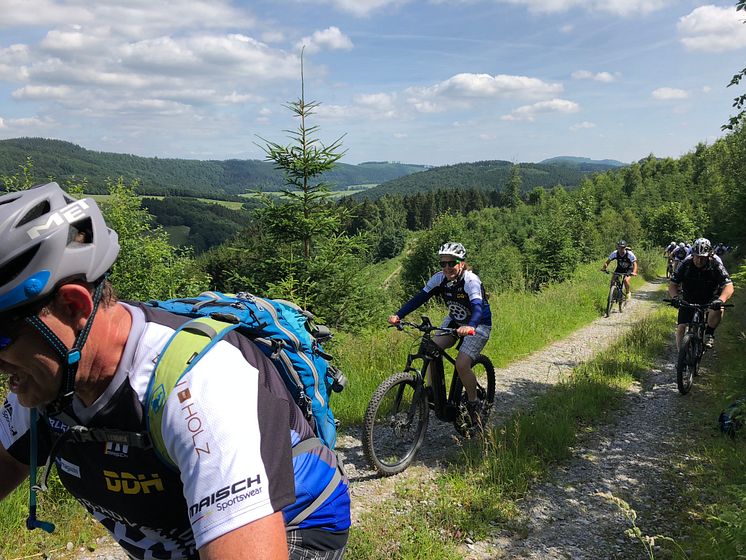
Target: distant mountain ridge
x: 65, y: 161
x: 160, y: 176
x: 489, y: 175
x: 584, y: 161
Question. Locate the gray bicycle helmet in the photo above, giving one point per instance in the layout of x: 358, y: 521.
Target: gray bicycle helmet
x: 621, y: 244
x: 452, y: 249
x: 702, y: 247
x: 49, y: 237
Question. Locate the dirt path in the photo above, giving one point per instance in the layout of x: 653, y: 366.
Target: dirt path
x: 564, y: 518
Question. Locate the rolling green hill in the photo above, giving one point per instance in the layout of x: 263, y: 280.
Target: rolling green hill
x: 485, y: 175
x: 158, y: 176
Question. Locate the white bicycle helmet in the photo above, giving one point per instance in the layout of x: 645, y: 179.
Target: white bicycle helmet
x: 452, y: 249
x: 49, y: 237
x: 702, y: 247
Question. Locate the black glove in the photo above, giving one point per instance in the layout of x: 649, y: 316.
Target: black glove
x: 675, y: 302
x: 716, y: 304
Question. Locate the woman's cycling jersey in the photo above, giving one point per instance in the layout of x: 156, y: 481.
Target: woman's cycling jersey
x: 465, y: 298
x: 228, y: 424
x: 701, y: 285
x: 623, y: 262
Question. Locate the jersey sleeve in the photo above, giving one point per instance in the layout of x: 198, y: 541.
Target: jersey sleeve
x: 15, y: 422
x: 612, y: 256
x: 435, y: 281
x: 230, y: 438
x: 632, y: 257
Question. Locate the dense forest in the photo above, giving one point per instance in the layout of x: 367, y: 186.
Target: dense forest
x: 67, y: 162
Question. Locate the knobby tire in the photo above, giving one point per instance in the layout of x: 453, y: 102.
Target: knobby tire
x: 610, y: 302
x: 686, y: 364
x: 395, y: 423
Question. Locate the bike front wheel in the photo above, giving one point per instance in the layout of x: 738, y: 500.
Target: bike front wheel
x: 395, y: 423
x: 686, y: 364
x: 610, y: 301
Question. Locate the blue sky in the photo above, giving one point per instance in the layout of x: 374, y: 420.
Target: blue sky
x: 430, y: 82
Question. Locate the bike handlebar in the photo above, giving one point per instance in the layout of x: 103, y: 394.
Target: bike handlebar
x: 425, y: 327
x: 618, y: 273
x: 700, y: 306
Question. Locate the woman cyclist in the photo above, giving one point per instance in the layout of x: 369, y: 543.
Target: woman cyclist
x: 468, y: 311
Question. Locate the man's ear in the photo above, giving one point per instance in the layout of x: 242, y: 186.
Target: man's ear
x: 75, y: 303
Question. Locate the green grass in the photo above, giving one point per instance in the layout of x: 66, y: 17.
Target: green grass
x: 73, y: 523
x: 483, y: 484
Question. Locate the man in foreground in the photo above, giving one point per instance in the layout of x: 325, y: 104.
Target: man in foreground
x: 83, y: 361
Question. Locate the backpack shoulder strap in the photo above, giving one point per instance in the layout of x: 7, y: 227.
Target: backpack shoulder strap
x: 183, y: 350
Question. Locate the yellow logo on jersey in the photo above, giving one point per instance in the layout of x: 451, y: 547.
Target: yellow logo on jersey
x: 128, y: 483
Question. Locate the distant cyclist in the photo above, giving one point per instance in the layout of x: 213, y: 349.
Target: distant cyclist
x: 669, y: 249
x: 679, y: 254
x: 626, y: 263
x: 468, y: 311
x: 700, y: 279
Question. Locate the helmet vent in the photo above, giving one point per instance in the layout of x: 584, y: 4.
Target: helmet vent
x: 80, y: 232
x: 36, y: 212
x: 10, y: 271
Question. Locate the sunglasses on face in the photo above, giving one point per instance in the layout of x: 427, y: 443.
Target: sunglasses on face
x: 451, y: 264
x: 9, y: 330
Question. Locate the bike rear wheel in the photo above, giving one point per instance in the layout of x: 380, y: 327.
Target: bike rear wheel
x: 485, y: 373
x: 395, y: 423
x: 686, y: 364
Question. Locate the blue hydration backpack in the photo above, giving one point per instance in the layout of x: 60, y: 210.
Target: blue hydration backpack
x: 282, y: 331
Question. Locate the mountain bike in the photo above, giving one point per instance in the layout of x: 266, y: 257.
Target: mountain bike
x: 616, y: 292
x: 397, y: 416
x: 692, y: 345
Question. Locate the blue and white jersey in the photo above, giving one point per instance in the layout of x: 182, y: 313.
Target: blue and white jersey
x: 680, y: 253
x: 465, y: 298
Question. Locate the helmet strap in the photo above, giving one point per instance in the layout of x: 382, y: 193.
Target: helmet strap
x: 70, y: 356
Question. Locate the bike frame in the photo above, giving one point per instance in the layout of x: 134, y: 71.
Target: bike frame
x: 445, y: 406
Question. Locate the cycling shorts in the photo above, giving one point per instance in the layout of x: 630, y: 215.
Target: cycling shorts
x: 473, y: 345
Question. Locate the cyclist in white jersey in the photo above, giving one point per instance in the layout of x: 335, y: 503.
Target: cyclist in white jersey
x: 468, y: 311
x: 626, y: 261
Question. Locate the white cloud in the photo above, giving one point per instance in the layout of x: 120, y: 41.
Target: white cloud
x: 330, y: 38
x: 713, y: 29
x: 530, y: 112
x: 605, y: 77
x: 363, y: 7
x: 42, y: 92
x: 467, y: 88
x: 667, y: 94
x: 364, y: 106
x: 616, y: 7
x: 2, y: 123
x: 582, y: 125
x: 41, y: 12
